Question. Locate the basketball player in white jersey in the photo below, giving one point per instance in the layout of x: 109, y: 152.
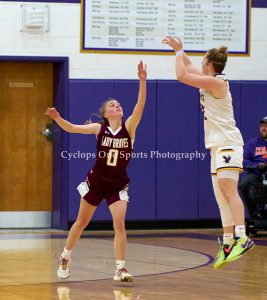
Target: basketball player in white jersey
x: 223, y: 139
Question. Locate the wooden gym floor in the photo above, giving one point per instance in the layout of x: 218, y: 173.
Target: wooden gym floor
x: 169, y: 264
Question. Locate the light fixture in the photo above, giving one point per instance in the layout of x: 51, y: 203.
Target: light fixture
x: 35, y: 18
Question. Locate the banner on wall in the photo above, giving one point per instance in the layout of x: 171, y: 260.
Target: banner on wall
x: 127, y: 26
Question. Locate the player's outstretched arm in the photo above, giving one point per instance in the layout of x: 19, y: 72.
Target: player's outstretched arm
x: 176, y: 43
x: 133, y: 121
x: 93, y: 128
x: 190, y: 68
x: 209, y: 83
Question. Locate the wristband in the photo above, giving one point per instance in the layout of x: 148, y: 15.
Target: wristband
x: 180, y: 53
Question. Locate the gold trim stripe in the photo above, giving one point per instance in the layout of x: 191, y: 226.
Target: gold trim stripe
x: 229, y: 168
x: 226, y: 150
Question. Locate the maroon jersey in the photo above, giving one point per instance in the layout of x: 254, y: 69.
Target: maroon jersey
x: 113, y: 152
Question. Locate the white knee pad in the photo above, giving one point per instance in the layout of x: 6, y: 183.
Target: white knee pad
x: 226, y: 215
x: 231, y: 174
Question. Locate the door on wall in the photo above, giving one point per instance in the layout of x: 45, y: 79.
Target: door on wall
x: 26, y: 89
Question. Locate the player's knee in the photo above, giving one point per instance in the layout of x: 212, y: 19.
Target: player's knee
x: 227, y: 193
x: 119, y: 225
x: 81, y: 223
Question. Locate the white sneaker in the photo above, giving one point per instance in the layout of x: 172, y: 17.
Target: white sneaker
x: 123, y: 275
x: 63, y: 271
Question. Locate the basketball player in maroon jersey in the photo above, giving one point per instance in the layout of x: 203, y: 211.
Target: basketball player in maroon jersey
x: 108, y: 178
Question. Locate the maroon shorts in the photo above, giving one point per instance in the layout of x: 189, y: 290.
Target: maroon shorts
x: 111, y: 190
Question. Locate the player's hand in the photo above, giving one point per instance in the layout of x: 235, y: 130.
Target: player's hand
x: 142, y: 73
x: 52, y: 113
x: 175, y: 43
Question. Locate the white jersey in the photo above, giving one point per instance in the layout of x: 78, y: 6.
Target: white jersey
x: 219, y: 123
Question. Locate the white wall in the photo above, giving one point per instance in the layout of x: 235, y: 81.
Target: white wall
x: 64, y: 40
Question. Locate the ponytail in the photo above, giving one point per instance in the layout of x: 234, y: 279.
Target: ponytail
x: 218, y: 58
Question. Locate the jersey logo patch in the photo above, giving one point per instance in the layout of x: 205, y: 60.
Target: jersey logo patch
x: 227, y: 159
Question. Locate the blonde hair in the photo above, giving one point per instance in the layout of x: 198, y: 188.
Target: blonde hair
x: 218, y: 58
x: 101, y: 113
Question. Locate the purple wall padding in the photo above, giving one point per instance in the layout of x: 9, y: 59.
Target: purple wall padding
x: 160, y: 189
x: 177, y: 132
x: 253, y: 107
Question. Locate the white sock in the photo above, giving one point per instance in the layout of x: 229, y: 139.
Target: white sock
x: 66, y: 254
x: 240, y: 231
x: 227, y: 238
x: 120, y: 264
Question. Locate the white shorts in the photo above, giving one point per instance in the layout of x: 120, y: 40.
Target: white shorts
x: 226, y: 158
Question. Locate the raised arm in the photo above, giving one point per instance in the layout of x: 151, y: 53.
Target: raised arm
x: 190, y: 68
x: 133, y: 121
x: 93, y: 128
x: 205, y: 82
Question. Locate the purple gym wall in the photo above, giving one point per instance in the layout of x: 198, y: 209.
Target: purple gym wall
x: 161, y: 189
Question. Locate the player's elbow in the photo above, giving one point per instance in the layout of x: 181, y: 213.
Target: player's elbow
x: 180, y: 75
x: 71, y: 128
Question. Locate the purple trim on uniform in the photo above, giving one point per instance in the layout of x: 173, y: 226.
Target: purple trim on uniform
x: 60, y: 139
